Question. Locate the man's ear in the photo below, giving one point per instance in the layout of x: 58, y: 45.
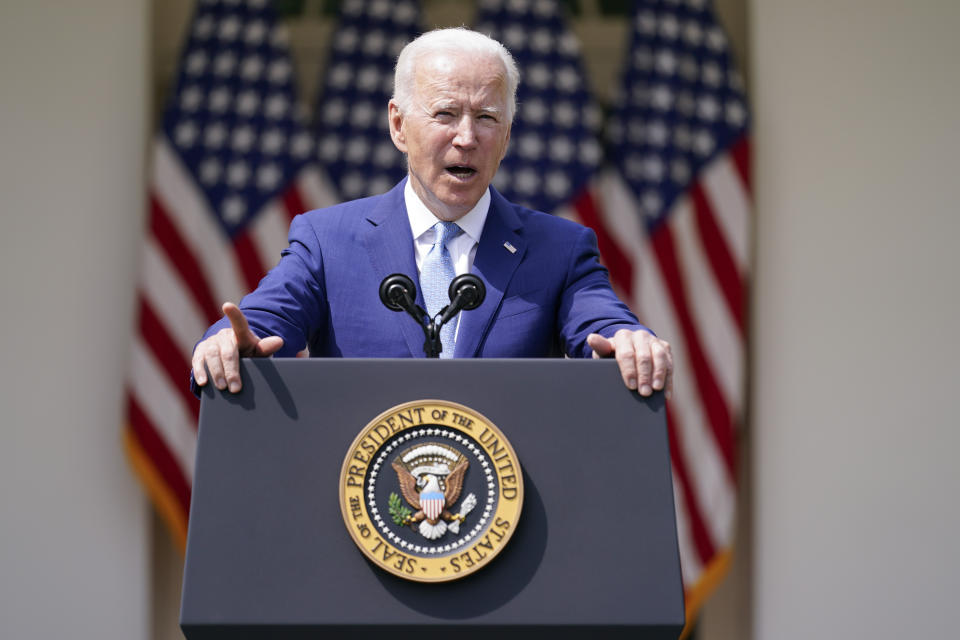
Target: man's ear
x: 395, y: 119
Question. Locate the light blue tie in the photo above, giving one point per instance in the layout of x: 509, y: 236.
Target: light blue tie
x: 436, y: 273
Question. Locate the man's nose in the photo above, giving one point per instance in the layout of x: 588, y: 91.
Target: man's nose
x: 466, y: 133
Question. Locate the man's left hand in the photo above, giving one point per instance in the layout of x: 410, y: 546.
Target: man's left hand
x: 645, y: 361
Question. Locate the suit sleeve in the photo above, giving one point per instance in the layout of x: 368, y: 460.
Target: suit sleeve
x: 289, y: 302
x: 589, y: 304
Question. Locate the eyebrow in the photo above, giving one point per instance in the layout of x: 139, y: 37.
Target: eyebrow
x: 450, y: 106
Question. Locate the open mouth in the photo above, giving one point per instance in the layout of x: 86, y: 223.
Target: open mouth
x: 461, y: 171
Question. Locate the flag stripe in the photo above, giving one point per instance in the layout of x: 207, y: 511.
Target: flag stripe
x: 729, y: 201
x: 170, y: 298
x: 690, y: 565
x: 715, y: 327
x: 248, y: 259
x: 711, y: 398
x: 164, y: 462
x: 293, y: 202
x: 269, y: 234
x: 620, y: 212
x: 164, y: 407
x: 713, y: 489
x: 740, y: 153
x: 698, y: 530
x: 168, y: 355
x: 314, y: 190
x: 196, y: 224
x: 714, y: 493
x: 715, y: 249
x: 182, y: 259
x: 621, y: 274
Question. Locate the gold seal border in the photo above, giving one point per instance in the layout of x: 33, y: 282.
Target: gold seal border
x: 464, y: 560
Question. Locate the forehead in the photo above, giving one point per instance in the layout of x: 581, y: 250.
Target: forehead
x: 442, y: 75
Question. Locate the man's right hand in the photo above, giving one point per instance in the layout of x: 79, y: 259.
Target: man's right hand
x: 221, y: 352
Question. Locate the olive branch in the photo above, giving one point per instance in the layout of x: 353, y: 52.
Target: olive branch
x: 398, y: 511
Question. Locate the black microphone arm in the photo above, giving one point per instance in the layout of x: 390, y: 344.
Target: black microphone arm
x: 466, y: 292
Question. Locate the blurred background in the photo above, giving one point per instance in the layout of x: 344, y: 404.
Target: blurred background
x: 823, y: 502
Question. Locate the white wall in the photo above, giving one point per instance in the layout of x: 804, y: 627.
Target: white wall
x: 856, y: 311
x: 73, y: 524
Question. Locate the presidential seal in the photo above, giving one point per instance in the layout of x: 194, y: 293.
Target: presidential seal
x: 431, y: 491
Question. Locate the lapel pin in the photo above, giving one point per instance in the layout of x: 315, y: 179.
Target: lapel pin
x: 510, y: 247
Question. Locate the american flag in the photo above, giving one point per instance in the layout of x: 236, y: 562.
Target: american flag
x: 554, y: 145
x: 677, y: 207
x: 353, y: 139
x: 231, y: 166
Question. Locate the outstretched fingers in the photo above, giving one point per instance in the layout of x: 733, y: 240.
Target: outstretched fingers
x: 218, y: 357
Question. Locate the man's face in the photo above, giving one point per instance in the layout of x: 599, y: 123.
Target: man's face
x: 456, y: 131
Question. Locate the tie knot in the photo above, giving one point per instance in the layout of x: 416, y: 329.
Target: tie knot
x: 445, y: 231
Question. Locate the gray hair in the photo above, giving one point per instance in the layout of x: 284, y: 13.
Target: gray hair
x: 455, y: 40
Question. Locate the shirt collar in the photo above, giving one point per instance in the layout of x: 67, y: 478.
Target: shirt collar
x: 422, y: 219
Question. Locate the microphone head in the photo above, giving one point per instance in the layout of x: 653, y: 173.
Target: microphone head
x: 471, y: 290
x: 393, y: 289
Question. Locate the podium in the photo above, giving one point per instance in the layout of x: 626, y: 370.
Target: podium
x: 594, y: 550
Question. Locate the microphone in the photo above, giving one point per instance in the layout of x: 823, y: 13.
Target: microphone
x: 396, y: 293
x: 466, y: 292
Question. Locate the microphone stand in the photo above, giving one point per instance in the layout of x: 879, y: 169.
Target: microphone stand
x: 466, y: 292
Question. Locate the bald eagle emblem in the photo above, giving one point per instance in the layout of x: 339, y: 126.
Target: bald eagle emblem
x: 431, y: 479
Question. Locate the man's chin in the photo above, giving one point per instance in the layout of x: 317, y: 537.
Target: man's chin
x: 453, y: 199
x: 461, y: 201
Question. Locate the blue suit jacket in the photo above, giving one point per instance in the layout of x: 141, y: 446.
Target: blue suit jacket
x: 543, y: 299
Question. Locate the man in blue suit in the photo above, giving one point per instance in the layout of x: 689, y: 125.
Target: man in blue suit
x: 547, y: 295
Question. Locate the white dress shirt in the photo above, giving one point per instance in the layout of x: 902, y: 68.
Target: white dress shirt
x: 462, y: 248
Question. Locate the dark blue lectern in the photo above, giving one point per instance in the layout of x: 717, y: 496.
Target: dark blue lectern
x: 594, y: 552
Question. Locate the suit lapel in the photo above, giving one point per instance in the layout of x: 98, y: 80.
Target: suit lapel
x: 389, y: 243
x: 495, y: 264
